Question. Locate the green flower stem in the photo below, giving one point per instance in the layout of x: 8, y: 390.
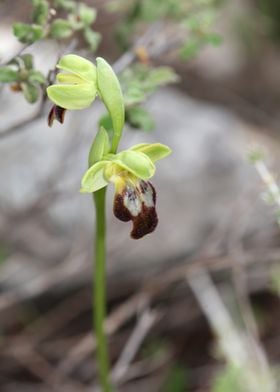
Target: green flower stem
x: 115, y: 142
x: 99, y: 290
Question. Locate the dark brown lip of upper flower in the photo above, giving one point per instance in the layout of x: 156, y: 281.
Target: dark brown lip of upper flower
x: 56, y: 113
x: 143, y: 223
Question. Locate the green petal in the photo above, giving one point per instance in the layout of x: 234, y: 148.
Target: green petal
x: 73, y: 97
x: 79, y: 66
x: 99, y: 147
x: 69, y: 78
x: 155, y: 151
x: 136, y: 163
x: 110, y: 92
x: 93, y: 179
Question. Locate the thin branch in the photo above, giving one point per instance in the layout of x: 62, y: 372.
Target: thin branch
x: 147, y: 319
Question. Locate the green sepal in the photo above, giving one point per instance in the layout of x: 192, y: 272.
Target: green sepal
x: 28, y: 34
x: 8, y: 75
x: 110, y: 92
x: 30, y: 92
x: 79, y: 66
x: 100, y: 146
x: 72, y: 97
x: 61, y: 28
x: 93, y: 179
x: 137, y: 163
x: 68, y: 78
x: 154, y: 151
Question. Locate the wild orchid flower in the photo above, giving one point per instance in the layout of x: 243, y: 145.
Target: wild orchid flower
x: 129, y: 170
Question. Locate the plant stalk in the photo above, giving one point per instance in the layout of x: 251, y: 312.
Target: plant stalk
x: 99, y: 290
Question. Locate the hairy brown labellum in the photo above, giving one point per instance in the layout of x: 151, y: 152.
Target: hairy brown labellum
x: 137, y: 203
x: 56, y: 113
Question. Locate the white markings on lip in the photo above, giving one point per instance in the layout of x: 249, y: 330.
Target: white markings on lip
x: 136, y: 202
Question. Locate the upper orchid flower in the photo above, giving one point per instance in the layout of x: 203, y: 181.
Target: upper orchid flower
x: 129, y: 170
x: 78, y: 87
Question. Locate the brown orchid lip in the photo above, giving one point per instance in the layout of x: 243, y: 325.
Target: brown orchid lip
x: 56, y: 113
x: 137, y: 205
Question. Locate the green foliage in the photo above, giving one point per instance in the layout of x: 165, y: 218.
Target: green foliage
x: 271, y: 10
x: 86, y: 14
x: 194, y: 17
x: 275, y: 279
x: 61, y: 28
x: 27, y: 34
x: 4, y: 253
x: 138, y: 118
x: 30, y: 92
x: 139, y: 81
x: 256, y: 155
x: 92, y: 38
x: 79, y: 18
x: 24, y: 77
x: 8, y: 75
x: 67, y: 5
x: 176, y: 380
x: 40, y: 12
x: 228, y: 381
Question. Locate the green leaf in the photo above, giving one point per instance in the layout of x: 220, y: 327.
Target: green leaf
x: 160, y: 76
x: 140, y: 80
x: 100, y: 146
x: 136, y: 163
x: 134, y: 95
x: 27, y: 60
x: 93, y: 179
x: 230, y: 380
x: 256, y: 155
x: 61, y: 28
x: 190, y: 49
x: 87, y: 14
x: 8, y: 75
x: 28, y: 34
x: 30, y: 92
x: 110, y: 92
x: 214, y: 39
x: 67, y: 5
x: 36, y: 77
x: 139, y: 118
x: 79, y: 66
x: 72, y: 97
x: 176, y: 379
x: 75, y: 22
x: 40, y: 12
x: 155, y: 151
x: 92, y: 38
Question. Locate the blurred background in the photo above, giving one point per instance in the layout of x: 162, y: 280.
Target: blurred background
x: 194, y: 306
